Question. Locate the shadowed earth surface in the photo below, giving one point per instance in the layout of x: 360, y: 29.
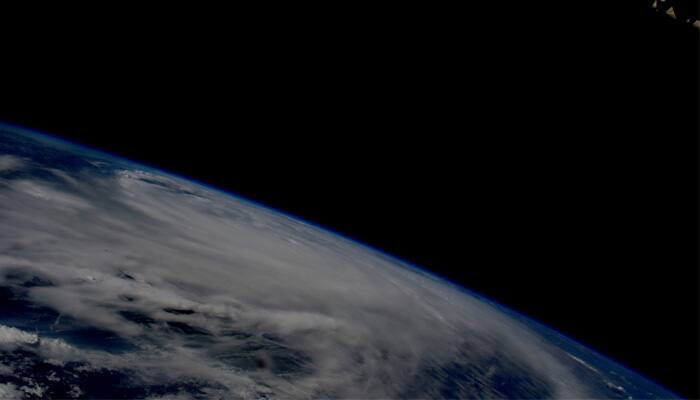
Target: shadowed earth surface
x: 119, y: 281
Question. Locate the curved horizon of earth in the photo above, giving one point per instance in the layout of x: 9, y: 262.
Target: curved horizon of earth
x: 122, y: 281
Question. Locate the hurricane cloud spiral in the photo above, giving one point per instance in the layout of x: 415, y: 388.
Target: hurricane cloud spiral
x: 117, y: 280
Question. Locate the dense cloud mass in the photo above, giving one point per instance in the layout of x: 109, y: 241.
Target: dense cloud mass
x: 120, y: 281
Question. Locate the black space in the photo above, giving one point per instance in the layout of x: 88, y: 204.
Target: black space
x: 546, y: 158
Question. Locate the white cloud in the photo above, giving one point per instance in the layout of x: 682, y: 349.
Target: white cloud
x: 9, y: 391
x: 10, y: 163
x: 365, y: 325
x: 14, y: 337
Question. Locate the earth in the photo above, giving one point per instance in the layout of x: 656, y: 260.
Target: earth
x: 118, y: 280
